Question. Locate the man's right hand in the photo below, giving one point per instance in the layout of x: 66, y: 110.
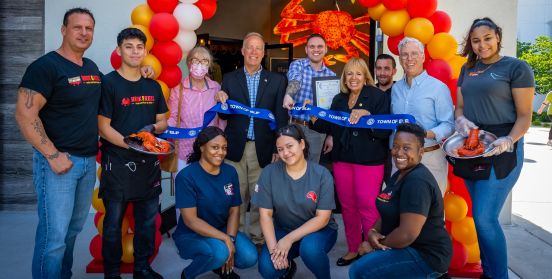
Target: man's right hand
x: 288, y: 102
x: 221, y: 97
x: 60, y: 162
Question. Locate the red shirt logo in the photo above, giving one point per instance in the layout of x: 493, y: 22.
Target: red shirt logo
x: 311, y: 195
x: 125, y: 102
x: 385, y: 197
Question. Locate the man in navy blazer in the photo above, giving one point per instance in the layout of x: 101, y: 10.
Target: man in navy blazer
x: 251, y: 143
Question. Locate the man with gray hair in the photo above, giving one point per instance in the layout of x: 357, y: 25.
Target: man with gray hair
x: 251, y: 143
x: 429, y: 101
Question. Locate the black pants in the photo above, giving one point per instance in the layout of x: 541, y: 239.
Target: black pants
x: 144, y: 235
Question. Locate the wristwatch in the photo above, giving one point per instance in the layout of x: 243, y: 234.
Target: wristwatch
x: 232, y: 238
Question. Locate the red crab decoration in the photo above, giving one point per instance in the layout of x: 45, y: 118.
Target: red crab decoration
x: 336, y: 26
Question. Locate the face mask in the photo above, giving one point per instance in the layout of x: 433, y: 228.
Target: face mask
x: 198, y: 70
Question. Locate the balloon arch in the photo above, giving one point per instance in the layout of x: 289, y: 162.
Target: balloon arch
x: 169, y: 27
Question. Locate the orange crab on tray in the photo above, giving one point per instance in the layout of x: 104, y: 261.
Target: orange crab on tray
x: 475, y: 145
x: 146, y: 142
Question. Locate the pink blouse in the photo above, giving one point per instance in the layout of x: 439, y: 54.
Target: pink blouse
x: 195, y: 102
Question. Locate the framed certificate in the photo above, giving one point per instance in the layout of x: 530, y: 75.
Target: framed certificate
x: 323, y: 91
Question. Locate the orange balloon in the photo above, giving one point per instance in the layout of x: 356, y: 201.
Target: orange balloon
x: 151, y: 60
x: 442, y: 46
x: 473, y: 252
x: 419, y: 28
x: 149, y: 37
x: 99, y: 226
x: 141, y: 15
x: 456, y: 63
x: 393, y: 22
x: 165, y: 90
x: 128, y: 248
x: 456, y: 207
x: 376, y: 11
x: 97, y: 203
x: 463, y: 231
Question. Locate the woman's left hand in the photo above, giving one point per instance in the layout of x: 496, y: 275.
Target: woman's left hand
x: 501, y: 145
x: 356, y: 114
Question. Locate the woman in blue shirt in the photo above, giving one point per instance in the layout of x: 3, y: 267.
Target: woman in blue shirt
x: 208, y: 196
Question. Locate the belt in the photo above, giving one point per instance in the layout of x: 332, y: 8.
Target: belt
x: 431, y: 148
x: 299, y: 122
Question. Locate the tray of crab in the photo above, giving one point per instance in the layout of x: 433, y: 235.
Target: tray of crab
x: 145, y: 142
x: 476, y: 144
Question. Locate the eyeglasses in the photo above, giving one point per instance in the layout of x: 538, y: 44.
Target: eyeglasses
x: 196, y: 61
x: 406, y: 56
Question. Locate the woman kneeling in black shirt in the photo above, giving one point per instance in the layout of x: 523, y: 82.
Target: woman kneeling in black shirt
x: 409, y: 240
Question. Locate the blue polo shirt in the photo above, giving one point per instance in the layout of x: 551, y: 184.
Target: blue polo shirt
x: 212, y: 195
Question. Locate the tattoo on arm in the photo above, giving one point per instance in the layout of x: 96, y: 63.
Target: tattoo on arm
x: 39, y: 129
x: 30, y: 94
x: 293, y: 87
x: 53, y: 156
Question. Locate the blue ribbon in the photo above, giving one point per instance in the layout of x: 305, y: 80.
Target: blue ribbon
x: 341, y: 118
x: 230, y: 107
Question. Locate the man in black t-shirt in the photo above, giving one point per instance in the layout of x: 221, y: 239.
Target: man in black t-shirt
x: 129, y: 104
x: 56, y: 110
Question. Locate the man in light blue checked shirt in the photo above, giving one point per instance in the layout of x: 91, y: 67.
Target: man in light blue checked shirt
x: 429, y: 101
x: 299, y: 89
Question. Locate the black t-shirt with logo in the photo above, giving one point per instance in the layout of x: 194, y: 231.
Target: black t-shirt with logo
x: 418, y: 193
x: 72, y: 92
x: 131, y: 105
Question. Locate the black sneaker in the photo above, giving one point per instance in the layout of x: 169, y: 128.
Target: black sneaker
x: 445, y: 276
x: 147, y: 273
x: 292, y: 269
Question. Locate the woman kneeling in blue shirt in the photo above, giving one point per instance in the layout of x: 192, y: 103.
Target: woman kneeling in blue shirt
x: 295, y: 199
x: 208, y: 196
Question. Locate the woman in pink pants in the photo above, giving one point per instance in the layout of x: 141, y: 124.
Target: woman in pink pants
x: 358, y: 155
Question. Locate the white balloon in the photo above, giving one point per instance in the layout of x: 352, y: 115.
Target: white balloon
x: 188, y: 1
x: 188, y: 16
x: 186, y: 40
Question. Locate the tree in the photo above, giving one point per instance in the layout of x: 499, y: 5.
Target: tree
x: 539, y: 56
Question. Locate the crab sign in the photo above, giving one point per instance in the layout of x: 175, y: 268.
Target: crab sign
x: 336, y: 26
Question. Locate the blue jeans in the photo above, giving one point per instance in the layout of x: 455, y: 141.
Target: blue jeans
x: 313, y: 249
x: 392, y: 263
x: 145, y: 212
x: 63, y: 205
x: 211, y: 253
x: 488, y: 197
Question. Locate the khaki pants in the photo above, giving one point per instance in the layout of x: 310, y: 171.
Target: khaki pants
x: 316, y: 141
x: 248, y: 173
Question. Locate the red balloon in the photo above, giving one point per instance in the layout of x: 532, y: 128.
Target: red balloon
x: 394, y: 4
x: 171, y: 75
x: 459, y: 256
x: 96, y: 247
x: 369, y: 3
x: 163, y: 27
x: 421, y: 8
x: 441, y: 22
x: 158, y: 221
x: 116, y: 60
x: 97, y: 217
x: 427, y: 58
x: 158, y: 239
x: 393, y: 43
x: 162, y: 6
x: 440, y: 70
x: 168, y: 53
x: 208, y: 8
x: 452, y: 87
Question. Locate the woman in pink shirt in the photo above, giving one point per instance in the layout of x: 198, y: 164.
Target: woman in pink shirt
x: 198, y: 96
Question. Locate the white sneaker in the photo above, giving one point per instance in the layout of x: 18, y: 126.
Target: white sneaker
x: 549, y: 143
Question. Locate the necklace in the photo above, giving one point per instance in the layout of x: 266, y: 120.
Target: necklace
x: 477, y: 72
x: 352, y: 101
